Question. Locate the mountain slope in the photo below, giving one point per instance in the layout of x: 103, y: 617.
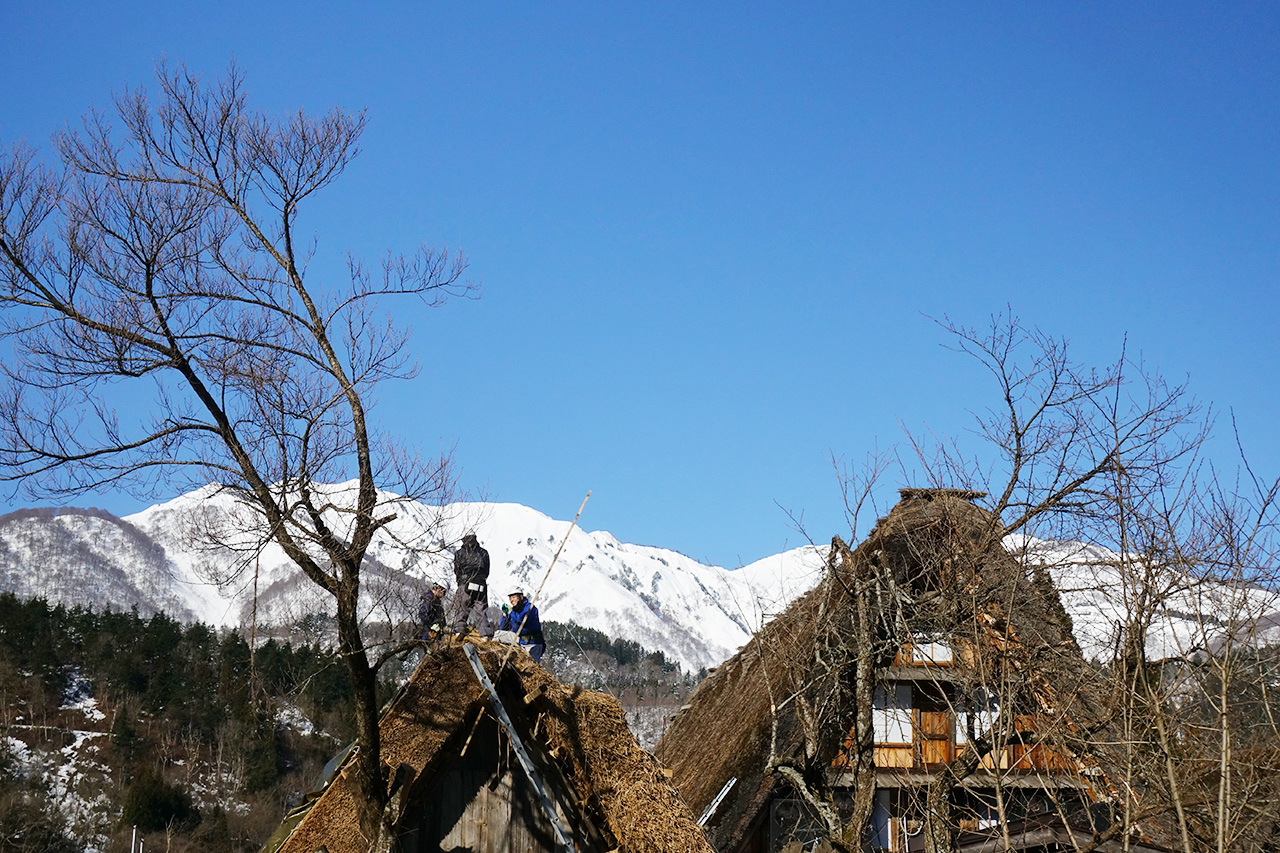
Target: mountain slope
x: 87, y: 557
x: 1102, y: 592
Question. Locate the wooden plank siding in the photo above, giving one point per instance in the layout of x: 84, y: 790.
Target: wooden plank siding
x: 935, y: 741
x: 898, y: 757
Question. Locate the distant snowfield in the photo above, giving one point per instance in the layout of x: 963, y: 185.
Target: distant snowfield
x: 696, y: 614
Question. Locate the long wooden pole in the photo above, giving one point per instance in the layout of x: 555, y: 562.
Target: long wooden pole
x: 547, y: 574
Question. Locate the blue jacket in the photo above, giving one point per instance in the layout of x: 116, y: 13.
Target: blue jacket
x: 532, y: 631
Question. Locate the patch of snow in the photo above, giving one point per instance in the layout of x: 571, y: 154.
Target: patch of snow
x: 216, y: 792
x: 79, y: 697
x: 75, y: 782
x: 649, y: 723
x: 21, y: 754
x: 290, y: 716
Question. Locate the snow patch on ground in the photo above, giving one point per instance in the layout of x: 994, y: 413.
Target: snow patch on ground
x: 79, y: 697
x: 21, y: 753
x: 216, y: 792
x: 289, y: 716
x: 75, y: 781
x: 649, y: 723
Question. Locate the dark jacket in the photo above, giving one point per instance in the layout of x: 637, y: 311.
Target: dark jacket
x: 532, y: 630
x: 470, y: 564
x: 430, y: 612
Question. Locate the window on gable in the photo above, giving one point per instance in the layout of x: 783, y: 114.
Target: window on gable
x: 930, y: 651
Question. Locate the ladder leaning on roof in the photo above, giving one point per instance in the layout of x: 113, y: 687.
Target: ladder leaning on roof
x: 563, y: 837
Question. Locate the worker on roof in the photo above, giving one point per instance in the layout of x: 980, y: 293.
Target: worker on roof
x: 470, y: 605
x: 431, y: 611
x: 522, y: 620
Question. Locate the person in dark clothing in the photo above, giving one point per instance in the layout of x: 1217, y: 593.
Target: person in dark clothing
x: 471, y: 602
x: 523, y: 621
x: 431, y: 612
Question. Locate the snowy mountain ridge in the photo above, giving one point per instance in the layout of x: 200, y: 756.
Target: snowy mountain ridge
x: 1103, y: 591
x: 696, y: 614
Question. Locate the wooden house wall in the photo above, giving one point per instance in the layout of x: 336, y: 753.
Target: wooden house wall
x: 917, y: 727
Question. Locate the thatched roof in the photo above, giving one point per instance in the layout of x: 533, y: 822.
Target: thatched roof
x: 942, y: 555
x: 617, y: 784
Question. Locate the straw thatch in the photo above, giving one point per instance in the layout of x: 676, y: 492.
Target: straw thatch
x: 612, y: 793
x: 937, y: 559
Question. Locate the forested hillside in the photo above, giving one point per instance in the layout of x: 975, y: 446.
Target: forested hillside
x: 110, y: 721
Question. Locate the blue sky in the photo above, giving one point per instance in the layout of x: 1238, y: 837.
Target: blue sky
x: 710, y: 236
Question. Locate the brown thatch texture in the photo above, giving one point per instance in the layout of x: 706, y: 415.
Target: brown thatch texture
x: 937, y: 558
x: 725, y: 731
x: 643, y: 809
x: 585, y: 733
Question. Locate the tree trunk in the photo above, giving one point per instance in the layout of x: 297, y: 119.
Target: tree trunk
x: 370, y: 777
x: 938, y: 823
x: 862, y: 765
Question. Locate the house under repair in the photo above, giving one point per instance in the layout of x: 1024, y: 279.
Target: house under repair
x: 926, y: 695
x: 493, y: 755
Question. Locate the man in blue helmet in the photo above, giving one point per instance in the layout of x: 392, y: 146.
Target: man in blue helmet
x: 431, y: 612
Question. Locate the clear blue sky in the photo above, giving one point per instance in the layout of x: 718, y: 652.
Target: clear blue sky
x: 709, y: 234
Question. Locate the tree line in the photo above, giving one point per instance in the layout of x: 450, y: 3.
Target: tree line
x: 572, y: 636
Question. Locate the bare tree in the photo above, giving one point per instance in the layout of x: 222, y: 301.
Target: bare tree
x: 1197, y: 703
x: 159, y: 268
x: 1058, y: 429
x: 1112, y: 460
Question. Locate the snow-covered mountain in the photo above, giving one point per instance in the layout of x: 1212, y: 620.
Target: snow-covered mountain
x: 88, y: 557
x: 160, y: 559
x: 1102, y: 591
